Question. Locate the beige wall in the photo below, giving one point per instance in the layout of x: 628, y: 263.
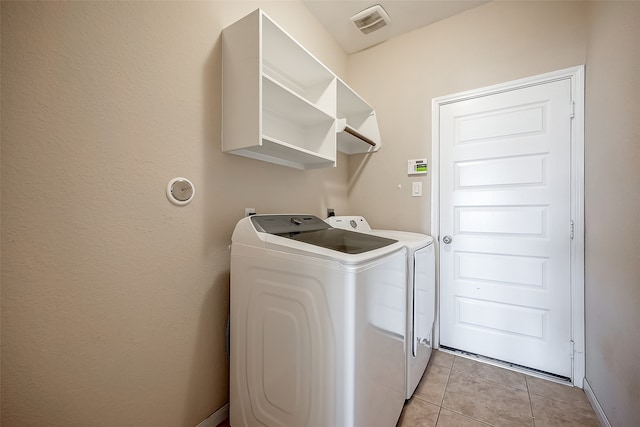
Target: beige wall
x: 503, y: 41
x: 613, y: 209
x: 491, y: 44
x: 114, y: 301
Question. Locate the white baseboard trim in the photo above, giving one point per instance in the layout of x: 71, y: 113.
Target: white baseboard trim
x: 595, y: 404
x: 216, y: 418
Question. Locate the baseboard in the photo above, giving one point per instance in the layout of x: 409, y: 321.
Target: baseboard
x: 216, y: 418
x: 595, y: 404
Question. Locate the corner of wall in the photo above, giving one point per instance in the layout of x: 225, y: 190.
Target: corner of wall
x: 595, y: 404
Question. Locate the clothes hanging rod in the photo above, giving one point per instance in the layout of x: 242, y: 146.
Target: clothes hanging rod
x: 352, y: 131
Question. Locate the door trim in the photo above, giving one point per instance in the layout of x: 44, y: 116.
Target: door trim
x: 576, y: 76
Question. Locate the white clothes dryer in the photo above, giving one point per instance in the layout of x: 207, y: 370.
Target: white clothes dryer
x: 312, y: 342
x: 421, y: 300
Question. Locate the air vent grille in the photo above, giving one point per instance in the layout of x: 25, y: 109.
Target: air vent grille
x: 371, y: 19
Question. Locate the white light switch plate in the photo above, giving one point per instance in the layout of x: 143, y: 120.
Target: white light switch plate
x: 416, y: 189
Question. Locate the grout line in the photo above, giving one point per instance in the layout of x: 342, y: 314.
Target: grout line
x: 526, y: 381
x: 455, y: 356
x: 506, y: 365
x: 487, y: 378
x: 443, y: 393
x: 447, y: 383
x: 438, y: 417
x: 468, y: 417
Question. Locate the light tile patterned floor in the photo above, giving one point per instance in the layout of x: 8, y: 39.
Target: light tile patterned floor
x: 462, y: 392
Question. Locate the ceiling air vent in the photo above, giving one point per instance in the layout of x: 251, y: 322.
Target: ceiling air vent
x: 371, y: 19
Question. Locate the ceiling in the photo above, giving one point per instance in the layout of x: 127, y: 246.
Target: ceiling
x: 406, y: 16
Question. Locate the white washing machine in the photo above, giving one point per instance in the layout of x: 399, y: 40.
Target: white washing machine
x: 313, y: 340
x: 421, y: 300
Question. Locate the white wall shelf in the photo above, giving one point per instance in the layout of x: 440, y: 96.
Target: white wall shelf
x: 282, y: 105
x: 356, y: 117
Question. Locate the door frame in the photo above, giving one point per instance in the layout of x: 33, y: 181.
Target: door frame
x: 576, y: 76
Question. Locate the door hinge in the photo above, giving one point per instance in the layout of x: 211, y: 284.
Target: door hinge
x: 571, y: 229
x: 572, y: 348
x: 572, y: 109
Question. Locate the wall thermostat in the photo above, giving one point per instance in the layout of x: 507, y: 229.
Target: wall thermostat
x: 180, y: 191
x: 417, y: 167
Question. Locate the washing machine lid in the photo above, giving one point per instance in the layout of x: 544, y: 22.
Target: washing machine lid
x: 314, y: 231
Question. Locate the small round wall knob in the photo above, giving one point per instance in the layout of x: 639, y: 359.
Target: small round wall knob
x: 180, y: 191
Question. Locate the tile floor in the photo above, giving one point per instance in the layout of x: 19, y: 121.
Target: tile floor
x: 461, y: 392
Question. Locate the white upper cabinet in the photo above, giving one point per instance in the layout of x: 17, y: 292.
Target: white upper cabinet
x: 282, y: 105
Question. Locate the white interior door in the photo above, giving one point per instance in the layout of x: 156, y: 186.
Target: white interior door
x: 505, y: 204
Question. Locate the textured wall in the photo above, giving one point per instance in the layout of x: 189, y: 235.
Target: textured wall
x: 114, y: 301
x: 502, y: 41
x: 491, y: 44
x: 612, y: 162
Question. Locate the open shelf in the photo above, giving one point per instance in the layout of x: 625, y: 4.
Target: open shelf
x: 282, y: 105
x: 358, y: 119
x: 275, y: 151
